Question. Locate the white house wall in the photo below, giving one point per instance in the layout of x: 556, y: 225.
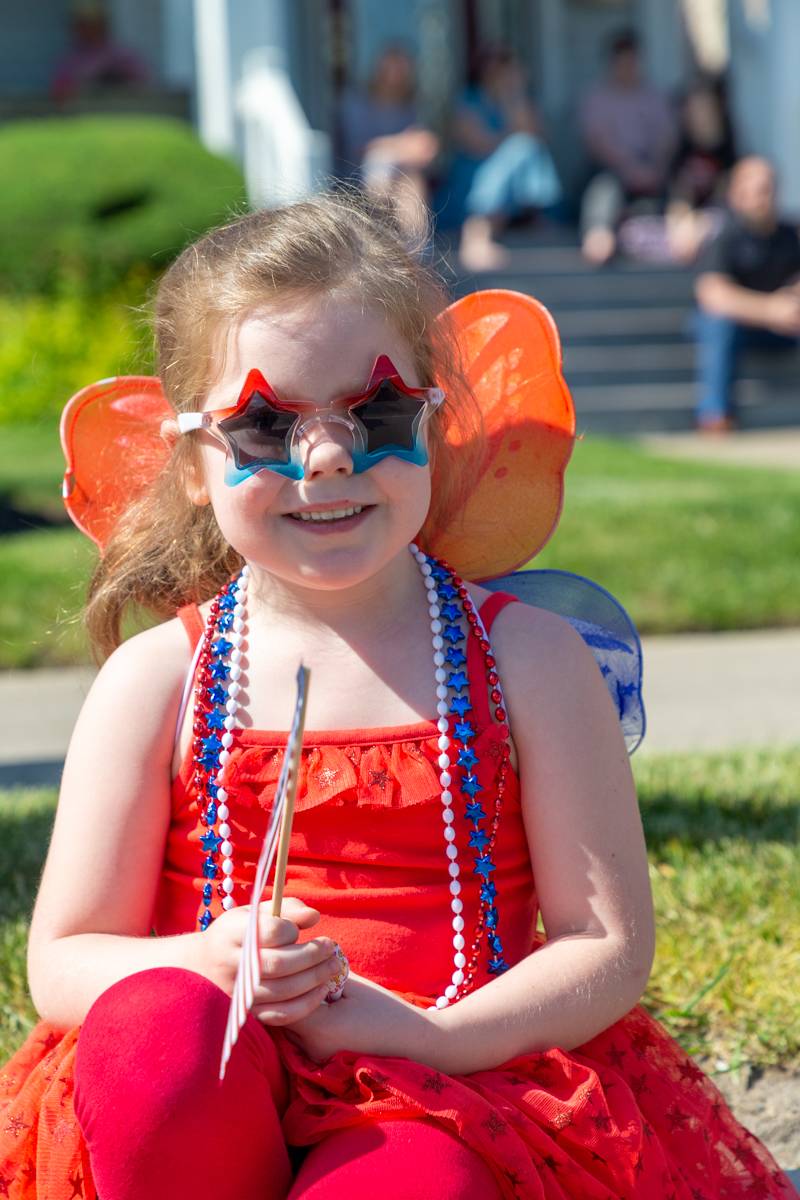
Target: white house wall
x: 785, y: 122
x: 664, y: 43
x: 139, y: 27
x: 177, y: 23
x: 765, y: 44
x: 34, y: 39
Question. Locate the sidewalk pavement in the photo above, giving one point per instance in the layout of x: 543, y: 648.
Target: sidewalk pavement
x: 778, y: 448
x: 702, y: 692
x: 722, y: 691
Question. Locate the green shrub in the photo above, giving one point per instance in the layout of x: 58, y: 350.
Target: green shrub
x: 88, y: 198
x: 52, y: 346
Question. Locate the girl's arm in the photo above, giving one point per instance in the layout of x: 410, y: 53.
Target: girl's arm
x: 589, y: 863
x: 93, y: 912
x: 587, y: 851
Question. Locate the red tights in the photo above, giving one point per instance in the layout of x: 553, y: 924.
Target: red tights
x: 159, y: 1124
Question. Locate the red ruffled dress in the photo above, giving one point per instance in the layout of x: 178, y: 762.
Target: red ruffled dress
x: 627, y: 1115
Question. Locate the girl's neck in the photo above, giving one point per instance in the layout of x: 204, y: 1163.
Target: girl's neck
x: 377, y: 605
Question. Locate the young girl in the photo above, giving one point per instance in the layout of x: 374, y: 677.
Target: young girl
x: 462, y: 771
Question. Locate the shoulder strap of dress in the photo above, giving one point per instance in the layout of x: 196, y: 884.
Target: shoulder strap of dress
x: 189, y: 617
x: 492, y: 606
x: 192, y: 622
x: 488, y: 612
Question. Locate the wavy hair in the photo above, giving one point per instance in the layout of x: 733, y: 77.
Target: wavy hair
x: 165, y: 551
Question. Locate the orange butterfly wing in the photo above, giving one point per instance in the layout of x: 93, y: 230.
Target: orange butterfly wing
x: 511, y: 356
x: 111, y: 437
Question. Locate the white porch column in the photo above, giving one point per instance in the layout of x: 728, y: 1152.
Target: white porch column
x: 215, y: 118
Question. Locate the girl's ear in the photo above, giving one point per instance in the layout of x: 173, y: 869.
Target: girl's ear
x: 169, y: 431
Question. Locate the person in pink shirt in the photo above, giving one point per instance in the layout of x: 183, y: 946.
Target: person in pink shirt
x: 95, y: 62
x: 630, y: 133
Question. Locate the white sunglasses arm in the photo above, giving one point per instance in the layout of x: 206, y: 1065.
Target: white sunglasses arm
x: 192, y: 420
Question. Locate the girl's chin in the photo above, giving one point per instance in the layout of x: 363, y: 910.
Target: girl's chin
x: 331, y: 560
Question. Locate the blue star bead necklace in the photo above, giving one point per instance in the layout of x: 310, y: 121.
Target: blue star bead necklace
x: 215, y: 711
x: 453, y: 620
x: 450, y: 607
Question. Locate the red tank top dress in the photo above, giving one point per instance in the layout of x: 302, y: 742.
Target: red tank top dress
x: 626, y: 1115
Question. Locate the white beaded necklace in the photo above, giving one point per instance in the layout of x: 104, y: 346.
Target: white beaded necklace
x: 236, y: 636
x: 445, y: 779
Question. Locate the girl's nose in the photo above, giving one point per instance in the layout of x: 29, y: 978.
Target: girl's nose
x: 325, y: 448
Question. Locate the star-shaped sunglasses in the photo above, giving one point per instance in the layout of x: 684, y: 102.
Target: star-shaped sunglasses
x: 263, y: 433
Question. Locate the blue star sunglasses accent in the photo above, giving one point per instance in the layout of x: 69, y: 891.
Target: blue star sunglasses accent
x: 263, y: 433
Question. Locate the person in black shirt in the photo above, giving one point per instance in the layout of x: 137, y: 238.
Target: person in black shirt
x: 747, y: 289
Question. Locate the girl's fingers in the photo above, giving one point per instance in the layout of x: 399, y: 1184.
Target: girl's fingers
x: 288, y: 987
x: 279, y: 963
x: 283, y: 930
x: 289, y: 1011
x: 273, y: 931
x: 302, y: 915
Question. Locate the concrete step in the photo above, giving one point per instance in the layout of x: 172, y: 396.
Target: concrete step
x: 567, y: 260
x: 647, y: 359
x: 669, y: 362
x: 594, y: 290
x: 628, y: 409
x: 628, y: 355
x: 619, y: 326
x: 631, y: 407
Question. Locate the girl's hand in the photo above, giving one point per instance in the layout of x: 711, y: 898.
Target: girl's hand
x: 294, y: 978
x: 368, y: 1019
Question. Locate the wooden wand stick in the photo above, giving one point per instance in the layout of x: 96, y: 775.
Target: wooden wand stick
x: 287, y: 817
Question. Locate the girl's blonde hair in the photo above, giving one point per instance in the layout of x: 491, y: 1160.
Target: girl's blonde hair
x: 166, y: 551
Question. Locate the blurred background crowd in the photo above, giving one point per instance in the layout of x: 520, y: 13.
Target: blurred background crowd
x: 651, y: 132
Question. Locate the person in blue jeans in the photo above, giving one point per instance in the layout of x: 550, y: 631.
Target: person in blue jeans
x: 747, y: 290
x: 501, y: 167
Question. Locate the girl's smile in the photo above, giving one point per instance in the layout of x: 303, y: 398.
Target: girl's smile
x: 334, y: 528
x: 328, y: 518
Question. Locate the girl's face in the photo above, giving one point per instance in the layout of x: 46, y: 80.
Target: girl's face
x: 317, y: 352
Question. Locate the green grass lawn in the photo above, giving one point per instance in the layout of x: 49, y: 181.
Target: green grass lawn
x: 31, y: 466
x: 683, y: 545
x: 44, y: 575
x: 724, y: 852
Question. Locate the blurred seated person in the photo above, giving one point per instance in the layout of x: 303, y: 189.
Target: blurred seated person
x: 501, y: 167
x: 748, y: 289
x: 630, y: 133
x: 383, y: 141
x: 697, y: 182
x: 699, y: 173
x: 95, y: 62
